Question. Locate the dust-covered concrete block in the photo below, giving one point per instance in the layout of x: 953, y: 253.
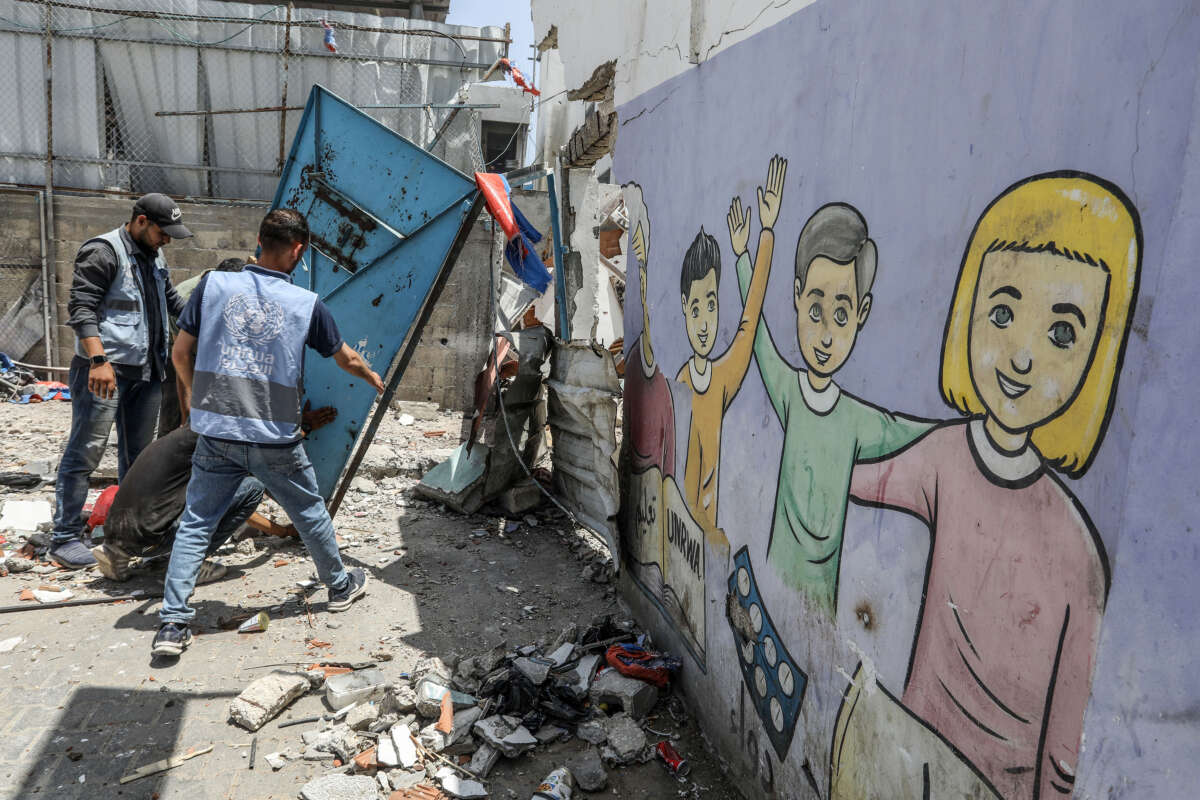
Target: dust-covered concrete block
x: 355, y: 687
x: 635, y: 697
x: 361, y: 716
x: 262, y: 700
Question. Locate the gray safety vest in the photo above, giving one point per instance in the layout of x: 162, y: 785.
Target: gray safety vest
x: 249, y: 357
x: 124, y: 329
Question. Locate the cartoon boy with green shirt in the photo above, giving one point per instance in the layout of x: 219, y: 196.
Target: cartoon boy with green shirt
x: 826, y: 430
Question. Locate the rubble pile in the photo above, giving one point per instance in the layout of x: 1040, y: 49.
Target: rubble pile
x: 445, y: 725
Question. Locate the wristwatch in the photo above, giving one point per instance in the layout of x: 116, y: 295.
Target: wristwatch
x: 100, y: 359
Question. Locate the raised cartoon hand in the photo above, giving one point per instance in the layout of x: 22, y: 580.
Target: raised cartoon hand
x: 770, y: 198
x: 739, y: 225
x: 639, y: 244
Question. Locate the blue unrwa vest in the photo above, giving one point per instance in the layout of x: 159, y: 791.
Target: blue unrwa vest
x: 124, y: 329
x: 249, y: 356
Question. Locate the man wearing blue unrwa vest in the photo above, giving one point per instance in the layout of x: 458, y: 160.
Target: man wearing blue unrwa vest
x: 249, y: 330
x: 121, y: 296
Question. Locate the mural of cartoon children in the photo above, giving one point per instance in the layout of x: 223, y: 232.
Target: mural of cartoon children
x: 714, y: 382
x: 1017, y: 576
x: 650, y: 437
x: 651, y: 415
x: 825, y: 429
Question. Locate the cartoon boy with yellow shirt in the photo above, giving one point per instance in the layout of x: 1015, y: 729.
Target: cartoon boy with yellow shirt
x: 714, y: 382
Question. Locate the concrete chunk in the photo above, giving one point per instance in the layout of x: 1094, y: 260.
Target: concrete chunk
x: 385, y: 752
x: 431, y: 669
x: 401, y: 699
x: 355, y: 687
x: 406, y: 748
x: 463, y: 722
x: 463, y: 788
x: 535, y: 670
x: 402, y: 779
x: 626, y: 740
x: 494, y: 728
x: 636, y: 698
x: 361, y: 716
x: 484, y: 759
x: 518, y: 742
x: 429, y: 699
x: 550, y: 733
x: 589, y: 771
x: 592, y: 731
x: 578, y: 681
x: 432, y: 738
x: 341, y: 787
x: 263, y: 699
x: 506, y: 734
x: 562, y: 654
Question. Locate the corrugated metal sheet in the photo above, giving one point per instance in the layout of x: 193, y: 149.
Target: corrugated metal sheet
x: 23, y: 95
x: 583, y: 393
x: 243, y: 68
x: 143, y: 79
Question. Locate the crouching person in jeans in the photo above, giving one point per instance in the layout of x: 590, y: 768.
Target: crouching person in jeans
x: 149, y: 504
x: 249, y: 330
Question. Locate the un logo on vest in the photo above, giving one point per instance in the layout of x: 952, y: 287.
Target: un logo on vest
x: 252, y: 319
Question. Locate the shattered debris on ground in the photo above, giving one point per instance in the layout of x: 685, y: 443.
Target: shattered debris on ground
x: 426, y: 729
x: 482, y: 615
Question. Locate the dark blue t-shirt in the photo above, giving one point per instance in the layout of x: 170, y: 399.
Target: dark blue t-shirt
x: 323, y: 334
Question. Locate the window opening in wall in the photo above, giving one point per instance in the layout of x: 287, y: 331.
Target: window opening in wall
x: 502, y: 145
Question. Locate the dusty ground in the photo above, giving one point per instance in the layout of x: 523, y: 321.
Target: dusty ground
x: 81, y: 702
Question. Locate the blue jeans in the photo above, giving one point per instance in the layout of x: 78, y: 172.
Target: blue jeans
x: 134, y: 408
x: 218, y: 468
x: 245, y: 501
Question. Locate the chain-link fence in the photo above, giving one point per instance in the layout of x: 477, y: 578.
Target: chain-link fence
x: 201, y: 97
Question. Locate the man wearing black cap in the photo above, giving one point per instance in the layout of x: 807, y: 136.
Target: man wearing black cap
x: 121, y: 295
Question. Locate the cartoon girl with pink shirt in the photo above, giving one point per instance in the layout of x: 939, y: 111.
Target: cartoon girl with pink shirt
x: 1001, y: 668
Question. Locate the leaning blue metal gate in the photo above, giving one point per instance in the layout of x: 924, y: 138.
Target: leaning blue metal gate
x: 387, y: 221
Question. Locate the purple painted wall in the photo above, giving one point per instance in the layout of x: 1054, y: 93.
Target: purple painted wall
x: 920, y: 114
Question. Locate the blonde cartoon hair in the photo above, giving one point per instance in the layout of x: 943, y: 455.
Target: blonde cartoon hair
x: 1081, y: 217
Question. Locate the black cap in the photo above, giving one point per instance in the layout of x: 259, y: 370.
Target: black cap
x: 163, y: 212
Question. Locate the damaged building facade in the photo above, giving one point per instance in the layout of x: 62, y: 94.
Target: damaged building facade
x: 213, y: 129
x: 906, y: 307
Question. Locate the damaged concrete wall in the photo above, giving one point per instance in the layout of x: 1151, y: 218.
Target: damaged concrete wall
x: 589, y: 200
x: 1003, y: 610
x: 451, y: 349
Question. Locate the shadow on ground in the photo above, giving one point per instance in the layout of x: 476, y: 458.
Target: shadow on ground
x: 150, y: 725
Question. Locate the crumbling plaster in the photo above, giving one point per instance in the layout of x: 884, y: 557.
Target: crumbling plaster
x: 652, y: 41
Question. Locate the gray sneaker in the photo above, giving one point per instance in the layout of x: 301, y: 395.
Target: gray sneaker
x: 210, y: 571
x: 171, y: 640
x: 72, y: 554
x: 355, y: 588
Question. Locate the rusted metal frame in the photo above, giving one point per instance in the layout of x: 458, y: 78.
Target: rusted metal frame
x: 48, y: 221
x: 173, y: 17
x: 105, y: 162
x: 287, y: 48
x: 437, y: 137
x: 263, y: 109
x: 92, y: 192
x: 402, y: 236
x: 401, y: 364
